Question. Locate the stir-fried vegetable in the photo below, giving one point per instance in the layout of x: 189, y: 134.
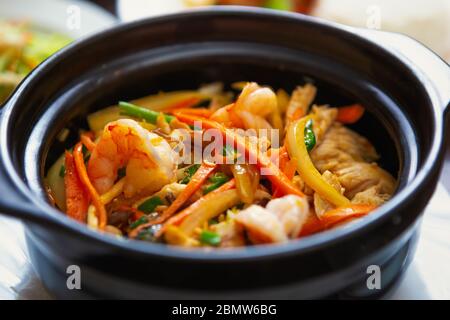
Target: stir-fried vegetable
x: 210, y: 208
x: 176, y: 220
x: 194, y: 184
x: 172, y: 100
x: 189, y: 172
x: 216, y: 181
x: 310, y: 137
x: 150, y: 205
x: 82, y: 173
x: 210, y: 238
x: 273, y: 172
x: 135, y: 173
x: 333, y: 217
x: 98, y: 120
x: 150, y: 116
x: 247, y: 181
x: 76, y: 196
x: 350, y: 114
x: 55, y: 183
x: 139, y: 222
x: 305, y: 167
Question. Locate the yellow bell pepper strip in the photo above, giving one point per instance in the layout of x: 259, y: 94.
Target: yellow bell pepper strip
x: 169, y: 100
x: 274, y: 174
x: 350, y: 114
x: 114, y: 192
x: 95, y: 198
x: 208, y: 209
x: 178, y: 218
x: 299, y: 153
x: 188, y: 103
x: 175, y: 236
x: 333, y: 217
x: 247, y: 181
x: 194, y: 184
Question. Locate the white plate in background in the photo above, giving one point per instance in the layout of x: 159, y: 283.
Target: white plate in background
x: 59, y: 15
x: 130, y: 10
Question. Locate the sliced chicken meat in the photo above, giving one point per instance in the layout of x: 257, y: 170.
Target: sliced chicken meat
x: 350, y: 157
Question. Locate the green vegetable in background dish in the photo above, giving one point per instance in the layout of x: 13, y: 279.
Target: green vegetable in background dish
x: 22, y: 48
x: 279, y: 4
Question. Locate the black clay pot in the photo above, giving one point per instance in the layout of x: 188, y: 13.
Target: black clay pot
x: 405, y: 87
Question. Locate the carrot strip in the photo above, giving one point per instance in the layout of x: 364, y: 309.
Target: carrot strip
x: 333, y: 217
x: 350, y: 114
x: 298, y: 113
x: 194, y: 184
x: 187, y: 103
x: 178, y: 218
x: 96, y: 200
x: 274, y: 174
x: 289, y: 169
x: 86, y: 139
x: 283, y: 161
x: 77, y: 200
x: 202, y: 112
x: 312, y: 225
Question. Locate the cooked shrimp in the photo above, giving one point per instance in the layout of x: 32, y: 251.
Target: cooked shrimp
x: 257, y: 100
x: 262, y: 226
x: 149, y: 161
x: 291, y: 211
x: 282, y: 219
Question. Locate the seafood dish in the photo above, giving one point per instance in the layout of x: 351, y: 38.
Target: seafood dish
x: 220, y: 168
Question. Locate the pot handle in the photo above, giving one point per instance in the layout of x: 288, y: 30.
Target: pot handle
x: 14, y: 203
x: 433, y: 67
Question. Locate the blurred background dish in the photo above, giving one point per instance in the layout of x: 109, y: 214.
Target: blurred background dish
x: 426, y: 21
x: 28, y: 36
x: 137, y: 9
x: 33, y: 30
x: 58, y: 15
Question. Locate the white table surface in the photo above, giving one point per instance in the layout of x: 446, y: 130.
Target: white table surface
x: 428, y: 277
